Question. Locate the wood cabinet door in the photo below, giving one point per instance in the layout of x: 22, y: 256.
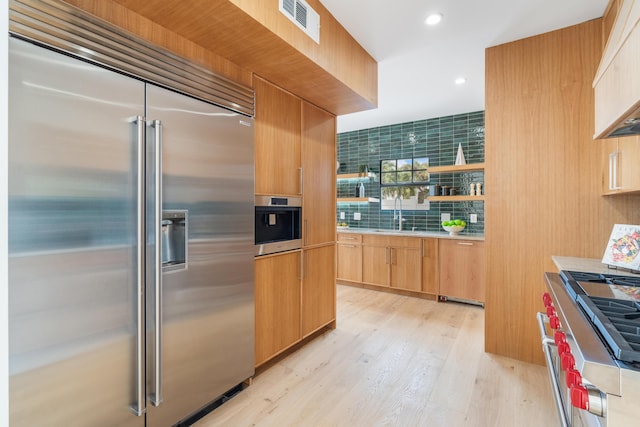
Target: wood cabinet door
x: 406, y: 270
x: 319, y: 175
x: 277, y: 141
x: 318, y: 288
x: 430, y: 266
x: 620, y: 157
x: 375, y: 265
x: 629, y: 153
x: 609, y: 149
x: 462, y: 269
x: 277, y: 304
x: 349, y: 262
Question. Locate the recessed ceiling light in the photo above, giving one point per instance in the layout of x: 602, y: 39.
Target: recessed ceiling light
x: 461, y: 81
x: 433, y: 19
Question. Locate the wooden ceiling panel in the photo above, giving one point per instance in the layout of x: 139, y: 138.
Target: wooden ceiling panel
x: 337, y: 75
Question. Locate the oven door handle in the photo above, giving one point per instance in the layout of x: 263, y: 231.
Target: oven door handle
x: 547, y: 344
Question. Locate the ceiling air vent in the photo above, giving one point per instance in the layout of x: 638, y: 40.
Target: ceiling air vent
x: 301, y: 14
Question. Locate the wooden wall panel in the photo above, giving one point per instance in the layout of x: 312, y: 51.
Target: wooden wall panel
x: 338, y: 52
x: 154, y: 33
x: 338, y: 75
x: 542, y: 177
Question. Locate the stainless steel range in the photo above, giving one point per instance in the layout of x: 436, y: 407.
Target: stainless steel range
x: 593, y: 351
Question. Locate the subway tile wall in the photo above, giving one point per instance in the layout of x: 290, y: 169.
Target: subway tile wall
x: 437, y: 139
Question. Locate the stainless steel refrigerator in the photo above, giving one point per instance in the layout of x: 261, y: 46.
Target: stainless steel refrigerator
x: 130, y: 246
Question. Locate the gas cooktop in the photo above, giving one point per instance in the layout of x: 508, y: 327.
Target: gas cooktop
x: 630, y: 285
x: 612, y: 303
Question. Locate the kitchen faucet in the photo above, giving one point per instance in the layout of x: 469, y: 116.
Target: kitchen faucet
x: 399, y: 215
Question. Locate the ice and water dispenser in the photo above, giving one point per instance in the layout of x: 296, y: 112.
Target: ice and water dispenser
x: 174, y: 240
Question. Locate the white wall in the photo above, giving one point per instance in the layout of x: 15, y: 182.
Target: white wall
x: 4, y: 100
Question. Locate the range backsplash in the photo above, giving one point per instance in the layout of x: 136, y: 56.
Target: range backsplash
x: 437, y: 139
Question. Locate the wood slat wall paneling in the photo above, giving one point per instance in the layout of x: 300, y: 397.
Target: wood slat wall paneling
x: 337, y: 75
x: 161, y: 36
x: 543, y: 177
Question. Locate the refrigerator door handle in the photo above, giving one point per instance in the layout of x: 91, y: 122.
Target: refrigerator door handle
x: 140, y: 405
x: 156, y: 396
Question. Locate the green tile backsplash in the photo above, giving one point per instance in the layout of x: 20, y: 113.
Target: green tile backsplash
x: 437, y: 139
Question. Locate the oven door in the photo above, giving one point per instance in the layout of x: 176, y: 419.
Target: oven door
x: 569, y: 415
x: 556, y: 374
x: 277, y: 229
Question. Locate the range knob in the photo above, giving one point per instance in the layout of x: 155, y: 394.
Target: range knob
x: 554, y: 322
x: 563, y: 347
x: 573, y: 377
x: 589, y: 398
x: 558, y: 337
x: 551, y: 311
x: 567, y: 361
x: 546, y: 299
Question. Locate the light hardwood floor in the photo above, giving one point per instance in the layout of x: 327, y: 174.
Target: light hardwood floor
x: 394, y: 361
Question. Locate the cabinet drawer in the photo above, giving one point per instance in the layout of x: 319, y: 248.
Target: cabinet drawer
x: 395, y: 241
x: 350, y: 238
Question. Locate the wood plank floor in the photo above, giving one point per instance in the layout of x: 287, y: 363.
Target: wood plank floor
x: 394, y: 361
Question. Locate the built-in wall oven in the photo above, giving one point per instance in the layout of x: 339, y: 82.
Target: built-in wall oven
x: 277, y: 224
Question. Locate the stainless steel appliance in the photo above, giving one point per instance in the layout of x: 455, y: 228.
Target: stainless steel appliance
x: 593, y: 350
x: 130, y: 243
x: 277, y: 224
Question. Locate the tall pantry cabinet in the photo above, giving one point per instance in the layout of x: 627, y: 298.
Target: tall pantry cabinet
x: 295, y: 156
x: 318, y: 218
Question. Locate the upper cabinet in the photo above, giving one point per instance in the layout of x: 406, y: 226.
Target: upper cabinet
x: 319, y: 173
x: 620, y: 171
x: 277, y: 141
x: 617, y: 81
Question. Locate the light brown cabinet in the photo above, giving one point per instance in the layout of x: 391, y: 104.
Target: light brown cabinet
x: 406, y: 272
x: 294, y: 297
x: 349, y: 257
x: 434, y: 266
x: 375, y: 264
x: 620, y: 165
x: 430, y: 279
x: 277, y: 304
x: 617, y: 81
x: 318, y: 288
x: 278, y: 169
x: 462, y: 269
x: 295, y: 155
x: 318, y: 169
x: 392, y: 261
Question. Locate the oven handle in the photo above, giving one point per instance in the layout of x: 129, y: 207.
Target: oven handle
x: 547, y: 343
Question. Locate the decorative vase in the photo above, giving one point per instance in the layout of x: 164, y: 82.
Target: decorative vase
x: 460, y: 156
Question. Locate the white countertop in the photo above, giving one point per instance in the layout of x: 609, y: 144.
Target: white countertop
x: 589, y: 265
x: 408, y: 233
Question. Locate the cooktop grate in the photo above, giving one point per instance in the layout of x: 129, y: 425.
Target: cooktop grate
x: 571, y: 279
x: 618, y: 321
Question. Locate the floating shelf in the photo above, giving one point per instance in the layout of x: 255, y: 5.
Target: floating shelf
x: 470, y: 167
x: 455, y: 198
x: 358, y: 200
x: 369, y: 175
